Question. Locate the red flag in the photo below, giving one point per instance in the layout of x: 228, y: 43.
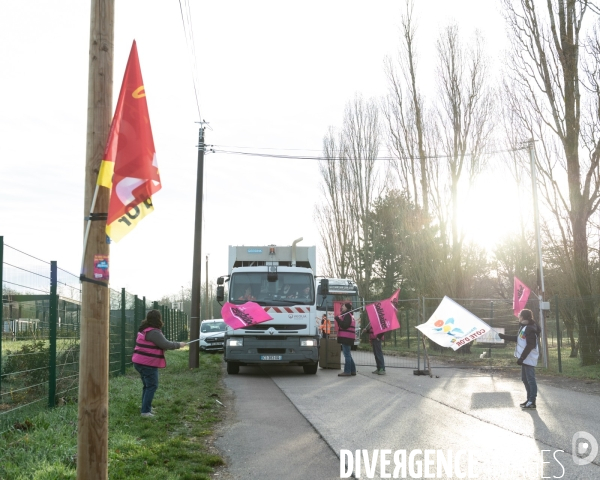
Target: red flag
x: 382, y: 315
x: 520, y: 296
x: 129, y: 166
x: 241, y: 316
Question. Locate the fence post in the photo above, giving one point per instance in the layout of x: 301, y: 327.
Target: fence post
x: 52, y: 321
x: 491, y: 322
x: 407, y: 330
x: 123, y: 317
x: 1, y: 306
x: 558, y: 336
x: 136, y: 316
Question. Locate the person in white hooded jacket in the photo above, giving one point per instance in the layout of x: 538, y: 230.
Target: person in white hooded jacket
x: 527, y: 354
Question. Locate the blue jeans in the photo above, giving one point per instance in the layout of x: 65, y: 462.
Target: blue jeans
x: 150, y: 380
x: 528, y: 377
x: 349, y: 366
x: 378, y: 352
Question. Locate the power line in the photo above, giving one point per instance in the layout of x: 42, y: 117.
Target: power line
x: 188, y: 31
x: 321, y: 158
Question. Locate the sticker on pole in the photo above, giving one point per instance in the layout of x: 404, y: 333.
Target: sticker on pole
x: 101, y: 267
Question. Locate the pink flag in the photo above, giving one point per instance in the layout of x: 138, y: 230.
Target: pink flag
x: 520, y: 296
x: 241, y: 316
x: 382, y: 315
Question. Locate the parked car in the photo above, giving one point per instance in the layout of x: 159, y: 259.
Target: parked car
x: 212, y: 335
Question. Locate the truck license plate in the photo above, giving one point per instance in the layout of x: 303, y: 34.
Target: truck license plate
x: 271, y: 357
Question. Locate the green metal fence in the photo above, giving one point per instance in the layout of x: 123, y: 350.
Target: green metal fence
x: 40, y: 321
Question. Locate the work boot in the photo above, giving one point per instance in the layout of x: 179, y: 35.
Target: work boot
x: 381, y: 372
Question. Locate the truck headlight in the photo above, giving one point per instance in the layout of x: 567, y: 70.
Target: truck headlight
x: 308, y: 342
x: 235, y: 342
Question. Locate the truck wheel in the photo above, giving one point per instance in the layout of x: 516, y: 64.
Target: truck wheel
x: 311, y: 369
x: 233, y: 368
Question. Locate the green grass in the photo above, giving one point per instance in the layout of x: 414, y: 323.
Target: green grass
x: 172, y: 445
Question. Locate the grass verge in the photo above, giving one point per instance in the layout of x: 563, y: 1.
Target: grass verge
x: 171, y: 445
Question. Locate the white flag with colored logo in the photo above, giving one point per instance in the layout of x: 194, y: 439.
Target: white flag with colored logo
x: 453, y: 326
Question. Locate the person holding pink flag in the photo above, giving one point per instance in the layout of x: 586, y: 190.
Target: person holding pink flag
x: 382, y: 318
x: 527, y: 354
x: 346, y: 336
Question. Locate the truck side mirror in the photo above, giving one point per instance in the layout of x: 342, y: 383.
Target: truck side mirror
x: 324, y: 287
x: 220, y: 281
x: 220, y: 293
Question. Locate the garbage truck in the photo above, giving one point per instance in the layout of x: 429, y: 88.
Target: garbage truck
x: 281, y: 279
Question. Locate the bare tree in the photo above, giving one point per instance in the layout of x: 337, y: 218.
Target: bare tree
x: 464, y: 124
x: 361, y: 148
x: 406, y: 117
x: 333, y: 214
x: 351, y: 183
x: 555, y: 73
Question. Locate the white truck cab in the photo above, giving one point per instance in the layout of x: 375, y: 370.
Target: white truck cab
x: 281, y: 279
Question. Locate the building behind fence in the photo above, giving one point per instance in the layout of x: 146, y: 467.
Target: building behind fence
x: 41, y: 320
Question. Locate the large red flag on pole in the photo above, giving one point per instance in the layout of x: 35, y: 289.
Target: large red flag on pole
x: 383, y: 315
x: 129, y: 166
x: 520, y: 296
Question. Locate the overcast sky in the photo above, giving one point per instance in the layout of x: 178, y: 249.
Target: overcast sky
x: 273, y: 77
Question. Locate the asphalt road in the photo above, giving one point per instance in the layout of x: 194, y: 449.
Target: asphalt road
x: 288, y: 425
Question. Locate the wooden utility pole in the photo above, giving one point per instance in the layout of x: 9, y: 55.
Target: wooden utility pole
x: 92, y: 434
x: 194, y: 357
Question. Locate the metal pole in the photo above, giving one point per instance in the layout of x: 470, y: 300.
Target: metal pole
x: 538, y: 241
x: 194, y: 357
x: 123, y: 320
x: 53, y: 320
x: 558, y: 336
x: 206, y: 311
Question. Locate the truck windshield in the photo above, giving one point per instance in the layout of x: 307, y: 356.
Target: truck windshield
x: 327, y: 305
x: 289, y: 289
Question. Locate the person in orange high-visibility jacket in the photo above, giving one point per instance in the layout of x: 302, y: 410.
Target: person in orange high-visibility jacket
x: 149, y: 356
x: 325, y: 327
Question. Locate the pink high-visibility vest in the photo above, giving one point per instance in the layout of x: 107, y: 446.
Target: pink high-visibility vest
x: 147, y: 353
x: 350, y: 332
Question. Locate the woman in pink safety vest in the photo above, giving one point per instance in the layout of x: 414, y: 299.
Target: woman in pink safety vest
x: 346, y: 336
x: 149, y: 356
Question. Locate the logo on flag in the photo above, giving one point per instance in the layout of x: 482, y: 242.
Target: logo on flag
x: 245, y: 315
x: 520, y: 296
x: 129, y: 167
x: 383, y: 315
x: 452, y: 325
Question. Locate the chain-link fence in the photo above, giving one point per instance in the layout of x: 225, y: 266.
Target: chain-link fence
x: 405, y: 347
x: 41, y: 320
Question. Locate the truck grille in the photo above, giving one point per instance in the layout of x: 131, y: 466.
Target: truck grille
x: 270, y: 350
x: 280, y: 327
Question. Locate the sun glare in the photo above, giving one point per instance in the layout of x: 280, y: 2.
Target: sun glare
x: 492, y: 210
